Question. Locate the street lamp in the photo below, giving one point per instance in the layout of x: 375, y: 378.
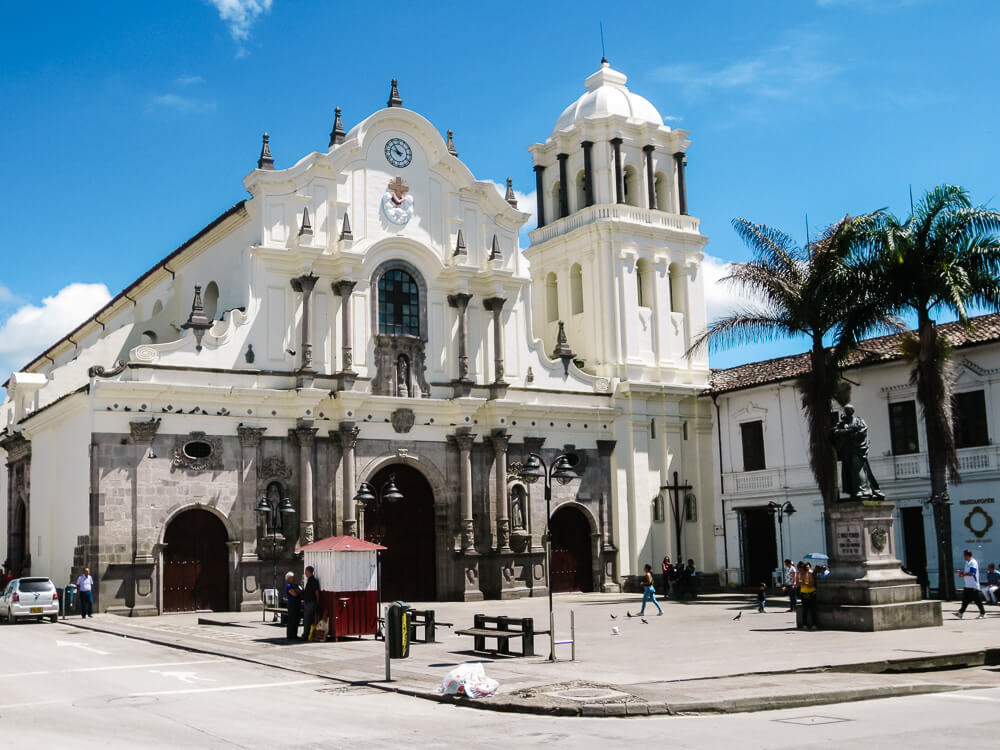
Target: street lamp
x: 562, y: 471
x: 782, y: 509
x: 368, y: 495
x: 273, y: 512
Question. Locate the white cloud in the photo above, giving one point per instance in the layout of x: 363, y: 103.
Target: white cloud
x: 188, y: 80
x: 239, y: 16
x: 796, y: 65
x: 181, y: 104
x: 6, y: 296
x: 31, y: 327
x: 722, y: 298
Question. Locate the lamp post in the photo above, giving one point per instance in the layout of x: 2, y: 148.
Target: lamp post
x: 273, y: 511
x: 369, y: 495
x: 782, y: 509
x: 562, y: 471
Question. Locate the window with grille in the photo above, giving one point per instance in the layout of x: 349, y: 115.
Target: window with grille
x: 903, y: 427
x: 398, y: 304
x: 968, y: 411
x: 752, y: 434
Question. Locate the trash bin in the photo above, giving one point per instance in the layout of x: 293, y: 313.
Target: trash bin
x: 397, y: 629
x: 68, y: 600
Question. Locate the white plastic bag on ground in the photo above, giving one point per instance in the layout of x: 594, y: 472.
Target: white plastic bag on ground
x: 469, y: 680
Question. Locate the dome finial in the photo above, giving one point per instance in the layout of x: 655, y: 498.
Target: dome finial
x: 395, y: 100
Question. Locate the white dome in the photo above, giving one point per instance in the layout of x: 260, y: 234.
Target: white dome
x: 608, y: 95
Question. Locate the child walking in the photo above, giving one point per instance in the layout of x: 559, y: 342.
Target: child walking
x: 761, y: 598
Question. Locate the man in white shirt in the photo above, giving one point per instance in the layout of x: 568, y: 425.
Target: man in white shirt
x: 85, y: 589
x: 971, y: 591
x: 789, y: 583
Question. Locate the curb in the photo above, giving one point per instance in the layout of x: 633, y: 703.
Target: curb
x: 634, y: 708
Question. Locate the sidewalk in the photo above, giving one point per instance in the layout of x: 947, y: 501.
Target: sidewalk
x: 693, y: 659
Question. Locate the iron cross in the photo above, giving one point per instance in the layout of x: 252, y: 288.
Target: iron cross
x: 675, y: 507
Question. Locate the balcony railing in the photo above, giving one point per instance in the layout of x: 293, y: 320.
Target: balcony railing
x: 752, y: 481
x: 618, y: 212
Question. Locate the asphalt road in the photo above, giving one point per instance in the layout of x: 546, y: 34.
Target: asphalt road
x: 61, y: 686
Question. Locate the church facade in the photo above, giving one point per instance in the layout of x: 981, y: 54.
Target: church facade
x: 366, y: 326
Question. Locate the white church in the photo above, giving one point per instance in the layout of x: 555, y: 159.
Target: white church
x: 368, y: 316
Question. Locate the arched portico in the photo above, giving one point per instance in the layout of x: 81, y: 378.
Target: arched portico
x: 575, y: 549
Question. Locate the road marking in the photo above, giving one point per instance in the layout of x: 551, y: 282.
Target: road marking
x: 26, y: 705
x: 82, y: 647
x: 108, y: 669
x: 188, y: 677
x: 966, y: 697
x: 257, y: 686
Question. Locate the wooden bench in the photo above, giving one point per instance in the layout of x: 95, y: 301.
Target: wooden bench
x: 505, y: 628
x: 424, y: 618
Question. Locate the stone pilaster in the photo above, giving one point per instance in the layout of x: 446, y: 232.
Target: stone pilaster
x: 588, y: 172
x: 141, y: 598
x: 563, y: 186
x: 682, y: 202
x: 249, y: 438
x: 306, y: 437
x: 650, y: 177
x: 498, y: 388
x: 345, y: 378
x: 540, y: 194
x: 304, y: 285
x: 464, y: 440
x: 500, y: 438
x: 616, y: 144
x: 463, y: 384
x: 348, y: 437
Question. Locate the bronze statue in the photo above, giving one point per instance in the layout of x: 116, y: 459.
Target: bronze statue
x: 850, y: 437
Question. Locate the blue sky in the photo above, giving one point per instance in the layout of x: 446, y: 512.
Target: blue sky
x: 128, y: 126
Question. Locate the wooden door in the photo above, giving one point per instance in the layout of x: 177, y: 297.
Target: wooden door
x: 195, y: 564
x: 571, y: 559
x: 759, y: 546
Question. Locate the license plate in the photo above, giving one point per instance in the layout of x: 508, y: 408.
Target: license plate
x: 36, y: 610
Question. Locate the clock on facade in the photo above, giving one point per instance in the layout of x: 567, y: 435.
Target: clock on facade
x: 398, y: 152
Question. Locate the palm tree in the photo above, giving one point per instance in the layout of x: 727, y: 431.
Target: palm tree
x: 818, y: 292
x: 945, y: 256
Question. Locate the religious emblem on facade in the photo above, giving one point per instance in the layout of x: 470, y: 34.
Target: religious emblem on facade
x: 402, y: 420
x: 197, y: 452
x: 273, y: 467
x: 879, y: 538
x: 397, y: 204
x: 978, y: 522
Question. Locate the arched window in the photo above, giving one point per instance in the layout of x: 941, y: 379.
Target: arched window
x: 644, y: 282
x: 551, y: 298
x: 576, y: 289
x: 662, y: 187
x: 398, y: 304
x: 210, y: 300
x: 581, y: 190
x: 557, y: 201
x: 676, y: 288
x: 631, y: 186
x: 148, y: 337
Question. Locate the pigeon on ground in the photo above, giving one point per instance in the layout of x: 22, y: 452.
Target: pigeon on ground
x: 738, y: 616
x: 614, y: 616
x: 644, y: 621
x: 628, y: 614
x: 616, y: 630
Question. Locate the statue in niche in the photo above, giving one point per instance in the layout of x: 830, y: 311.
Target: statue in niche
x: 517, y: 508
x: 402, y: 376
x: 850, y: 437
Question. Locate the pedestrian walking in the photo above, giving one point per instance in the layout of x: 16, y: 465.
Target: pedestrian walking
x: 789, y: 583
x: 971, y: 591
x: 761, y: 598
x: 85, y: 590
x: 649, y: 592
x: 310, y: 599
x: 992, y: 584
x: 293, y: 601
x: 806, y: 582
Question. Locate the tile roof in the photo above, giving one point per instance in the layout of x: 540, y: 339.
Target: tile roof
x: 985, y: 328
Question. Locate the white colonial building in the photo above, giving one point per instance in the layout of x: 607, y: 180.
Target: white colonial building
x: 763, y: 445
x: 366, y: 315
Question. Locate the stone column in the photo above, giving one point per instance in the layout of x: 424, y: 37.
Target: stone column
x: 305, y: 285
x: 563, y: 186
x: 540, y: 194
x: 141, y: 596
x: 650, y: 177
x: 249, y: 441
x: 463, y: 384
x: 464, y: 439
x: 588, y: 172
x: 343, y: 289
x: 619, y: 175
x: 306, y: 438
x: 682, y: 202
x: 348, y: 436
x: 498, y: 388
x: 500, y: 439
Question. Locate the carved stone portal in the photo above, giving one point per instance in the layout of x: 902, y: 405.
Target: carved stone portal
x: 399, y: 366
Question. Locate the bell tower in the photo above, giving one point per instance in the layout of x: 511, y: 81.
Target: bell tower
x: 615, y: 256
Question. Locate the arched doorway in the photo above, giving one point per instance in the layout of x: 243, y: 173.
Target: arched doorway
x: 406, y: 528
x: 195, y: 563
x: 571, y: 559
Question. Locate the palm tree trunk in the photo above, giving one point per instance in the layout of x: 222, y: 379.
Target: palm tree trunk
x: 823, y: 458
x: 933, y: 393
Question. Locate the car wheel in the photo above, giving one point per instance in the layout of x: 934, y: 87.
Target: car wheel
x: 53, y: 618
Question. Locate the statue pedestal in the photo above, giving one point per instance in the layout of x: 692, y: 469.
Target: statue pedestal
x: 867, y: 590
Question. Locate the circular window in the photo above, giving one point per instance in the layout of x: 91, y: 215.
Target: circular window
x: 197, y: 449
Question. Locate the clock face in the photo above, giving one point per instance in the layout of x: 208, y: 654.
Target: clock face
x: 398, y: 152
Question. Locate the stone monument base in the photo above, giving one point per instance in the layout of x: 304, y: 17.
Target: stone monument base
x: 867, y: 589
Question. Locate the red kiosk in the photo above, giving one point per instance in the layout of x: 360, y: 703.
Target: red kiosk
x: 347, y: 569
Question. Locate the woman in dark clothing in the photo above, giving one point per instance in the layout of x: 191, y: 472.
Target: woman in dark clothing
x: 666, y: 578
x: 293, y: 599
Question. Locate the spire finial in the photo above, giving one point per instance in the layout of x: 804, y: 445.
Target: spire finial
x: 460, y: 248
x: 562, y: 349
x: 510, y: 197
x: 394, y: 98
x: 266, y: 161
x: 337, y: 134
x: 197, y: 321
x: 345, y: 229
x: 495, y: 253
x: 306, y: 229
x: 451, y: 144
